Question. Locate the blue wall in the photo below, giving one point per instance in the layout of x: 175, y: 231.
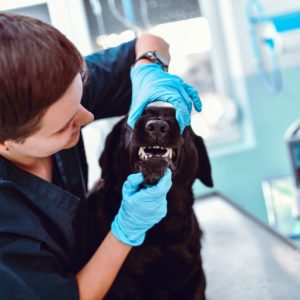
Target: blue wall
x: 239, y: 175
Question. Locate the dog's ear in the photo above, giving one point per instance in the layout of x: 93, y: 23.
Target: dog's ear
x: 203, y: 168
x: 110, y: 150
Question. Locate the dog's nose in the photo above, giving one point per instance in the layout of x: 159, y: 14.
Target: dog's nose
x: 157, y: 126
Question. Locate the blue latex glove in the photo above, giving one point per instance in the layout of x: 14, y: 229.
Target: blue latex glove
x: 140, y: 210
x: 150, y: 83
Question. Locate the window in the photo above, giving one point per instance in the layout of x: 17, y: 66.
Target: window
x: 195, y: 31
x: 204, y: 53
x: 66, y: 15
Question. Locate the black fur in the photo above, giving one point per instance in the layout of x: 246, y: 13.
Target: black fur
x: 168, y: 265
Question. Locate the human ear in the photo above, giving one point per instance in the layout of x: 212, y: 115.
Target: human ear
x: 4, y: 146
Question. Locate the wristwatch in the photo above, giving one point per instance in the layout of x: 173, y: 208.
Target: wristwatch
x: 156, y: 58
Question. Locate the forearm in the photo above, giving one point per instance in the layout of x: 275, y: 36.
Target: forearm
x: 149, y: 42
x: 97, y: 276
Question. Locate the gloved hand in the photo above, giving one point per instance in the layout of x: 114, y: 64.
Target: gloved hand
x: 150, y: 83
x: 140, y: 210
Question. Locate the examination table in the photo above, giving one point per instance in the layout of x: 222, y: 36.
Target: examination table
x: 243, y: 258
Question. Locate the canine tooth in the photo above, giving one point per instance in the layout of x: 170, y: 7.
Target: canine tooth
x: 166, y: 154
x: 141, y: 151
x: 170, y: 153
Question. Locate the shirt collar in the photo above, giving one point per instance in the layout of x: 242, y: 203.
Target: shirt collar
x: 45, y: 194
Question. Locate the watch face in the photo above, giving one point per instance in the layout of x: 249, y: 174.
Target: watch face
x: 160, y: 58
x: 153, y: 55
x: 156, y: 57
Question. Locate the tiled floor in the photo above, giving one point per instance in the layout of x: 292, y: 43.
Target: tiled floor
x: 242, y: 259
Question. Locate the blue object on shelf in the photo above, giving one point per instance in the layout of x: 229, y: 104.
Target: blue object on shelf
x: 287, y: 22
x: 264, y: 32
x: 292, y: 138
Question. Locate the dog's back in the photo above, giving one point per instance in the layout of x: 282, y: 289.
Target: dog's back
x: 168, y: 265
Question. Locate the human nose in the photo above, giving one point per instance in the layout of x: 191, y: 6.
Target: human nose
x: 84, y: 117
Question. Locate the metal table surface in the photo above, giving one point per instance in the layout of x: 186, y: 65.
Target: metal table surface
x: 243, y: 259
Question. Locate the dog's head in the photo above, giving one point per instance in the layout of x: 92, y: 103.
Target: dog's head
x: 154, y: 144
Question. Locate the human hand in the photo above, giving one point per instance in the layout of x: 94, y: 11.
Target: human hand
x: 150, y: 83
x: 140, y: 209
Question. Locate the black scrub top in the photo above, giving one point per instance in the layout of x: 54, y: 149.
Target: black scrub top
x: 44, y: 233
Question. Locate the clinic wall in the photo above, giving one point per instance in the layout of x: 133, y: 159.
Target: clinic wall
x: 239, y: 175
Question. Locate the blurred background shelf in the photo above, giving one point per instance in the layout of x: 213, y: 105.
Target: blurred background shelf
x: 280, y: 198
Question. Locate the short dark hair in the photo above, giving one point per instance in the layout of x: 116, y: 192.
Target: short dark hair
x: 37, y: 63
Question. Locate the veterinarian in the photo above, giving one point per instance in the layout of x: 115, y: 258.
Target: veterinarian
x: 47, y: 93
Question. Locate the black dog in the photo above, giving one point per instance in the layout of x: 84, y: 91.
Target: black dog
x: 168, y: 265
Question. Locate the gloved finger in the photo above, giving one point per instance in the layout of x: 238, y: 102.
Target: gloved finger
x: 175, y: 92
x: 166, y: 179
x: 183, y: 106
x: 134, y: 114
x: 192, y: 92
x: 132, y: 183
x: 185, y: 97
x: 136, y: 111
x: 162, y: 187
x: 182, y: 115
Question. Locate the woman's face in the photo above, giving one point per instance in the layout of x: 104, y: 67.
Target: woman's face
x: 60, y: 125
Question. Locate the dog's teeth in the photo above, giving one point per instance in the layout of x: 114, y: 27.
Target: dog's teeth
x: 141, y: 150
x: 145, y: 156
x: 142, y: 153
x: 169, y: 150
x: 166, y: 154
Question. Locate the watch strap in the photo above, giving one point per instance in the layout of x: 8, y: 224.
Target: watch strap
x: 156, y: 58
